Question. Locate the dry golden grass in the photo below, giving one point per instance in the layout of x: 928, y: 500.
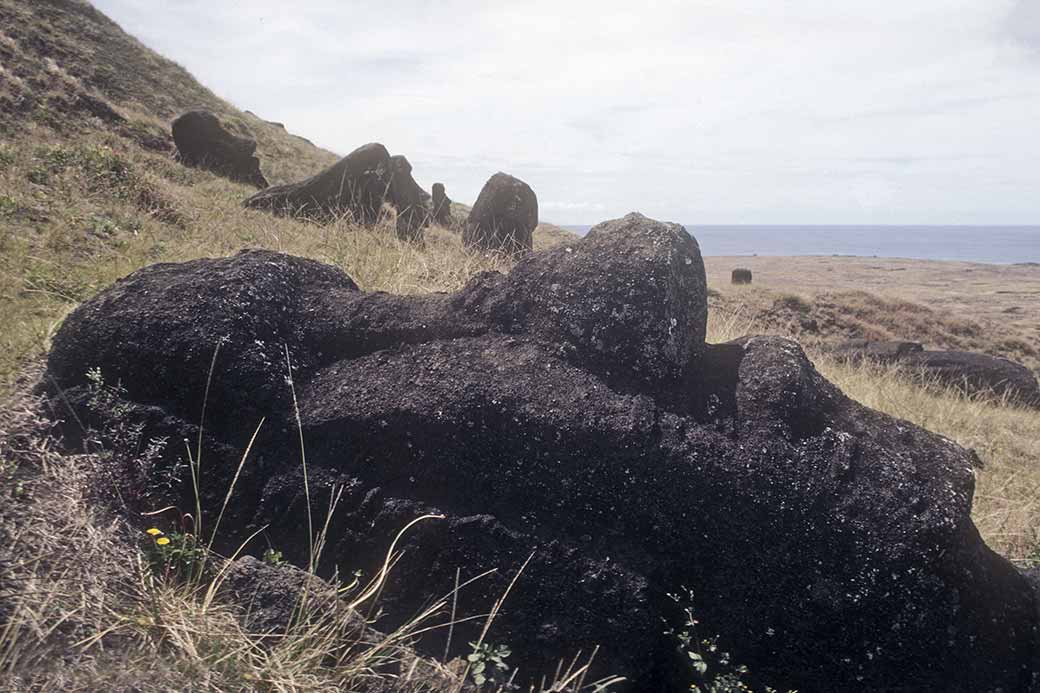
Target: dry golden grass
x: 84, y: 606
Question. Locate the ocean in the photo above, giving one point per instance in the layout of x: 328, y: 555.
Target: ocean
x: 991, y: 244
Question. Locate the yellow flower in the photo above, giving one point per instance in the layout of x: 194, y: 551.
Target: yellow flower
x: 162, y: 541
x: 153, y: 531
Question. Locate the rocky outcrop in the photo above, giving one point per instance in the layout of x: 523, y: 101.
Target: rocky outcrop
x: 441, y: 206
x: 356, y: 186
x: 571, y: 413
x: 503, y: 218
x: 740, y: 276
x: 204, y: 142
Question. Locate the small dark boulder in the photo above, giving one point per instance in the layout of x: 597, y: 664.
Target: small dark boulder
x: 978, y: 374
x: 503, y: 218
x: 741, y: 276
x: 203, y: 141
x: 356, y: 186
x: 441, y: 206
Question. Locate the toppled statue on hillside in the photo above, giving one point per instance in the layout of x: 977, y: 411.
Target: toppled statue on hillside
x: 203, y: 142
x: 570, y: 416
x: 356, y: 187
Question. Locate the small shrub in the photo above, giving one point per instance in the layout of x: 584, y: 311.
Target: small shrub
x: 177, y: 555
x: 273, y: 557
x: 487, y: 664
x: 711, y: 667
x: 7, y: 206
x: 38, y: 175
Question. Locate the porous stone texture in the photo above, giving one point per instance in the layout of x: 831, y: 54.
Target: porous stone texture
x: 204, y: 142
x: 504, y: 217
x: 571, y: 416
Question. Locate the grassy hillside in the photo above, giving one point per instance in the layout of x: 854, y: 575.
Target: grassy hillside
x: 86, y: 199
x: 90, y: 191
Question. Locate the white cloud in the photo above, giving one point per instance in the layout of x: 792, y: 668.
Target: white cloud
x: 700, y: 111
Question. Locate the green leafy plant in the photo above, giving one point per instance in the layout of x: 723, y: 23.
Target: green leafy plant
x: 177, y: 554
x: 711, y: 668
x: 488, y: 663
x: 273, y: 557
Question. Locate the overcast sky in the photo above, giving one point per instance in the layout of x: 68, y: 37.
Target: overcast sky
x: 697, y: 111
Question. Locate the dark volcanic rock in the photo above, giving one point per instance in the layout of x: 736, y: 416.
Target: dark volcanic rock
x: 407, y: 198
x: 357, y: 186
x: 271, y: 598
x: 504, y: 216
x: 978, y: 373
x: 204, y: 142
x: 571, y: 412
x: 441, y: 206
x: 741, y: 276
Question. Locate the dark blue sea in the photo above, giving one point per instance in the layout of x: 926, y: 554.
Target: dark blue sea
x: 993, y: 244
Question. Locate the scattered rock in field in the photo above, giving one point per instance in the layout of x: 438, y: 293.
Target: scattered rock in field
x: 441, y: 206
x: 571, y: 412
x: 504, y: 216
x: 204, y: 142
x: 978, y: 374
x: 356, y: 186
x: 884, y: 352
x: 741, y: 276
x: 407, y: 198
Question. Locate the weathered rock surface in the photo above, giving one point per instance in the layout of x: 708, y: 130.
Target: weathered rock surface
x: 504, y: 216
x: 740, y: 276
x: 202, y: 141
x: 571, y: 412
x: 978, y: 373
x: 441, y: 206
x: 356, y: 186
